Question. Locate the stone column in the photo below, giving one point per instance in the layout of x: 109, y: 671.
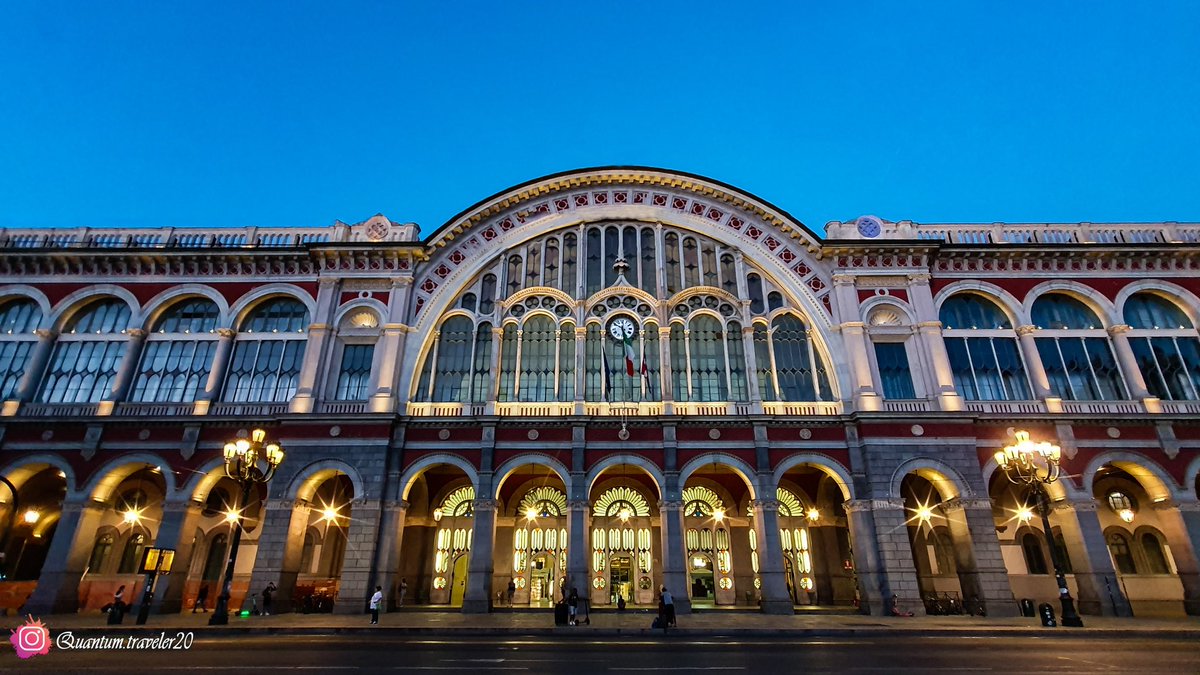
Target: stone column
x: 674, y: 555
x: 1099, y: 589
x: 1129, y: 367
x: 664, y: 370
x: 868, y: 568
x: 38, y: 356
x: 354, y: 586
x: 387, y: 553
x: 865, y: 397
x: 775, y: 597
x: 1036, y: 369
x: 580, y: 369
x: 315, y: 359
x: 216, y: 376
x: 751, y: 367
x: 478, y: 596
x: 280, y: 544
x: 578, y: 569
x: 57, y: 590
x: 1180, y: 524
x: 126, y: 371
x: 929, y: 330
x: 981, y: 571
x: 895, y: 572
x: 384, y: 393
x: 177, y: 530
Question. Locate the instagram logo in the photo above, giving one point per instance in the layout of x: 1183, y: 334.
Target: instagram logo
x: 32, y: 639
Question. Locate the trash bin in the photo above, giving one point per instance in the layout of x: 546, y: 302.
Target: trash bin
x: 1047, y: 613
x: 1027, y: 608
x: 560, y: 614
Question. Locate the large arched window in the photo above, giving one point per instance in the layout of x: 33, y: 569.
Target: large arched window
x: 707, y: 360
x: 983, y: 350
x: 268, y: 353
x: 1118, y: 547
x: 357, y: 335
x: 537, y: 359
x: 178, y: 354
x: 1035, y: 560
x: 457, y: 368
x: 1166, y: 346
x: 1075, y: 350
x: 1152, y: 551
x: 88, y: 352
x: 18, y: 319
x: 789, y: 369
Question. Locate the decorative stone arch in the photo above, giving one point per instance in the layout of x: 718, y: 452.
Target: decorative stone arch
x: 829, y: 465
x: 70, y: 305
x: 248, y: 302
x: 1002, y: 298
x: 203, y: 480
x: 13, y: 291
x: 948, y: 482
x: 522, y: 320
x: 625, y: 459
x: 160, y: 303
x: 1149, y: 475
x: 1187, y: 301
x: 869, y: 307
x: 525, y: 459
x: 739, y: 466
x: 1089, y: 296
x: 777, y: 244
x: 705, y: 311
x: 105, y: 479
x: 22, y: 468
x: 378, y: 308
x: 418, y: 467
x: 519, y: 296
x: 682, y: 296
x: 305, y: 482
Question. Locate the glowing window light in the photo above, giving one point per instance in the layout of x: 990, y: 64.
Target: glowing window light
x: 1024, y: 514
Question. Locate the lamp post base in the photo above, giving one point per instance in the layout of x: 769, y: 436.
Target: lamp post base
x: 220, y: 615
x: 1070, y: 618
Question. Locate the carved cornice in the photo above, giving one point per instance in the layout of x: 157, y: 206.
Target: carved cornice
x: 961, y: 503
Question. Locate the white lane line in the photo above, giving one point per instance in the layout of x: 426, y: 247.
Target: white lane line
x: 688, y: 668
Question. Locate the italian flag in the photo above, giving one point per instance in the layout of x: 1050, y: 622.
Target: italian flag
x: 629, y: 356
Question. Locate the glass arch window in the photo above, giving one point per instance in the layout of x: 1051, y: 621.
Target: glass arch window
x: 1156, y: 557
x: 178, y: 354
x: 1075, y: 350
x: 788, y: 365
x: 1035, y: 561
x: 18, y: 320
x: 357, y: 334
x: 537, y: 360
x: 707, y: 360
x: 268, y: 352
x: 985, y: 356
x: 1122, y: 555
x: 87, y: 354
x: 1166, y: 346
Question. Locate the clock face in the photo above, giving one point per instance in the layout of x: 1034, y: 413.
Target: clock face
x: 622, y: 328
x: 868, y: 227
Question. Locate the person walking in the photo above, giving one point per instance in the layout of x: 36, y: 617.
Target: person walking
x: 403, y: 591
x: 201, y: 599
x: 512, y: 590
x: 116, y: 611
x: 376, y: 600
x: 668, y: 604
x: 268, y: 595
x: 572, y: 606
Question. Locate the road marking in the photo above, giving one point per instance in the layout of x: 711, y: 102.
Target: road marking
x: 680, y: 668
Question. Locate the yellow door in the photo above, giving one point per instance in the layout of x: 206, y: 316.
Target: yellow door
x: 458, y: 582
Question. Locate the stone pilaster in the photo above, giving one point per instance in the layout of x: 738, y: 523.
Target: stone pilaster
x: 1180, y: 524
x: 126, y: 371
x: 674, y: 554
x: 578, y: 572
x: 981, y: 569
x: 1129, y: 366
x: 280, y: 544
x: 57, y: 590
x: 221, y: 355
x: 315, y: 357
x: 1033, y: 363
x: 478, y: 596
x: 887, y: 575
x: 177, y: 530
x: 387, y: 553
x: 39, y: 355
x: 775, y: 596
x: 354, y: 587
x: 1099, y: 589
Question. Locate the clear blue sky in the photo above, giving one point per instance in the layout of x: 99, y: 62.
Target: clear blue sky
x: 299, y: 113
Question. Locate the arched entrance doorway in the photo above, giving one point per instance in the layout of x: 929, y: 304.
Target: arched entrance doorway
x: 717, y: 518
x: 815, y: 535
x: 532, y: 536
x: 625, y: 537
x: 438, y: 531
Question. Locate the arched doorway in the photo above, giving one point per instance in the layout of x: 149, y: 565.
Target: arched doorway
x: 29, y: 525
x: 1030, y: 564
x: 625, y: 529
x: 133, y: 496
x: 532, y: 536
x: 717, y: 518
x: 815, y: 536
x: 438, y: 531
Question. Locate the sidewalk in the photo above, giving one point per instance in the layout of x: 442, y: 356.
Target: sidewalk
x: 397, y: 624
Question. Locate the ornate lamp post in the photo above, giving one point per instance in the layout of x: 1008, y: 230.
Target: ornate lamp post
x: 1036, y: 465
x: 242, y: 459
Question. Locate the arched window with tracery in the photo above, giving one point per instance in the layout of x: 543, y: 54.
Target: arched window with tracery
x: 87, y: 354
x: 268, y: 352
x: 1122, y: 555
x: 1155, y: 555
x: 983, y: 350
x: 1035, y: 560
x: 19, y: 318
x: 1166, y: 346
x: 178, y: 354
x: 537, y: 360
x: 707, y: 360
x: 357, y: 335
x: 789, y: 367
x: 1075, y: 350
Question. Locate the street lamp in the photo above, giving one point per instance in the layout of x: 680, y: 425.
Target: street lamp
x: 1036, y: 465
x: 242, y: 458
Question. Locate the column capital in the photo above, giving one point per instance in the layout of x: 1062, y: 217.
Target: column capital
x: 962, y: 503
x: 396, y: 504
x: 1119, y: 329
x: 580, y: 332
x: 920, y: 278
x: 852, y: 325
x: 135, y: 333
x: 46, y: 333
x: 935, y: 325
x: 579, y: 505
x: 1027, y: 329
x: 670, y: 505
x: 327, y: 281
x: 226, y: 332
x: 843, y: 280
x: 664, y: 331
x: 478, y: 505
x: 765, y: 504
x: 1078, y: 506
x: 400, y: 282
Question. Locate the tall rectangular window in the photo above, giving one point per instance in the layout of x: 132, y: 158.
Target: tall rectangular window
x: 355, y: 372
x: 894, y: 373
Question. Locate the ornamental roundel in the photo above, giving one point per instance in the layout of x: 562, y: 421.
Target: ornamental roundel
x: 617, y: 499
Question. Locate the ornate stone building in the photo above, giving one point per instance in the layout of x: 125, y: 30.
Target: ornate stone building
x: 614, y: 380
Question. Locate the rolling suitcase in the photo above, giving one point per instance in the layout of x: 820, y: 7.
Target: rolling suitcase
x: 560, y: 614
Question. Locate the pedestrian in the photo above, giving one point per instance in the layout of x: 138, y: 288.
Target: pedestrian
x: 116, y: 611
x: 376, y: 600
x: 620, y: 602
x: 267, y: 596
x: 512, y: 590
x: 201, y: 599
x: 572, y: 606
x: 403, y: 591
x: 668, y: 604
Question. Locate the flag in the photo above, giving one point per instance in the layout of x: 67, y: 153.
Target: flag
x: 647, y: 387
x: 629, y: 356
x: 606, y: 382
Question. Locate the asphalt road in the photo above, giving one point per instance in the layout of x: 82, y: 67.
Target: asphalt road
x: 621, y: 656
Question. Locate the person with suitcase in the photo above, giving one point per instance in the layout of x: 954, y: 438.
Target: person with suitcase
x: 572, y: 606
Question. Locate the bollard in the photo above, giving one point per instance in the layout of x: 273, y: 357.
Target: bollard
x: 1027, y: 608
x: 1047, y: 612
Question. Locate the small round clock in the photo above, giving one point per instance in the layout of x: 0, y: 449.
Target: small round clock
x: 621, y: 328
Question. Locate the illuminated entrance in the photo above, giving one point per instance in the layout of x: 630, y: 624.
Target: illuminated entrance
x: 541, y: 581
x: 620, y: 578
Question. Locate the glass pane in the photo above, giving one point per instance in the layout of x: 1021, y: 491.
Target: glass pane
x: 1059, y: 311
x: 569, y: 264
x: 894, y: 370
x: 793, y: 365
x: 355, y: 372
x: 1148, y: 310
x: 19, y: 317
x: 279, y: 315
x: 708, y: 360
x: 198, y: 315
x: 671, y: 262
x: 537, y: 360
x: 971, y: 310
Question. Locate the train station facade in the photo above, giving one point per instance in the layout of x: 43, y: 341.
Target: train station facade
x: 612, y: 380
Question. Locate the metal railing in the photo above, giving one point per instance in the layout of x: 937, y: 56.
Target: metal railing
x: 1062, y: 233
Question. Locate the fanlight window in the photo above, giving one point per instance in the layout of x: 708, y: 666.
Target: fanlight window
x: 87, y: 354
x: 1057, y: 311
x: 1079, y: 360
x: 701, y: 502
x: 178, y: 354
x: 18, y: 320
x: 790, y: 505
x: 543, y: 502
x: 1166, y: 346
x: 458, y: 503
x: 621, y: 502
x: 983, y: 350
x: 972, y: 311
x: 268, y: 353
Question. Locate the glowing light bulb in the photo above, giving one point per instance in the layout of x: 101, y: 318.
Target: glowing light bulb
x: 32, y: 516
x: 814, y: 515
x: 531, y: 513
x: 132, y: 516
x: 625, y: 514
x: 1126, y: 515
x: 924, y: 513
x: 1024, y: 514
x: 330, y: 514
x: 719, y: 515
x: 231, y: 516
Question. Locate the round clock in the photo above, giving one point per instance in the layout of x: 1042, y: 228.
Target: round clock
x: 869, y: 226
x: 621, y: 328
